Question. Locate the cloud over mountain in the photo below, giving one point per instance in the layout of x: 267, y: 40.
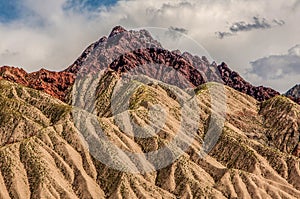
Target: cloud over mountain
x: 278, y: 67
x: 281, y: 65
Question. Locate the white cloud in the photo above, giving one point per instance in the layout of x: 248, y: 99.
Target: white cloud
x: 278, y: 68
x: 53, y: 37
x: 242, y: 26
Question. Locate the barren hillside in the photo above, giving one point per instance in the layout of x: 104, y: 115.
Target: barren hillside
x: 81, y: 133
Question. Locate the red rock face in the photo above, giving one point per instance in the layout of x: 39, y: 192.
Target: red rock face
x: 53, y: 83
x: 159, y: 64
x: 13, y: 74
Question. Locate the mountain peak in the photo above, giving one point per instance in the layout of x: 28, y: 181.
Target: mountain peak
x: 117, y: 30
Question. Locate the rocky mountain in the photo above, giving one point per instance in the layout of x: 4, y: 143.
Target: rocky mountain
x: 124, y: 50
x: 139, y: 48
x: 294, y: 93
x: 56, y: 84
x: 45, y: 115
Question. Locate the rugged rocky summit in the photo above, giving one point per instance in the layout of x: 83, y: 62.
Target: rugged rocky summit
x: 294, y: 93
x: 99, y: 55
x: 43, y: 153
x: 125, y: 51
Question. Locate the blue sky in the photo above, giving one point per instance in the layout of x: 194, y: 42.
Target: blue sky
x: 11, y: 10
x: 89, y: 4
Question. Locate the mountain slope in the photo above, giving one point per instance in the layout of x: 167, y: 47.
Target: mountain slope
x: 36, y: 160
x: 50, y: 158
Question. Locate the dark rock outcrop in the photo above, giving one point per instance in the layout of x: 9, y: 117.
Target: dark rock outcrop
x: 234, y: 80
x: 294, y: 94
